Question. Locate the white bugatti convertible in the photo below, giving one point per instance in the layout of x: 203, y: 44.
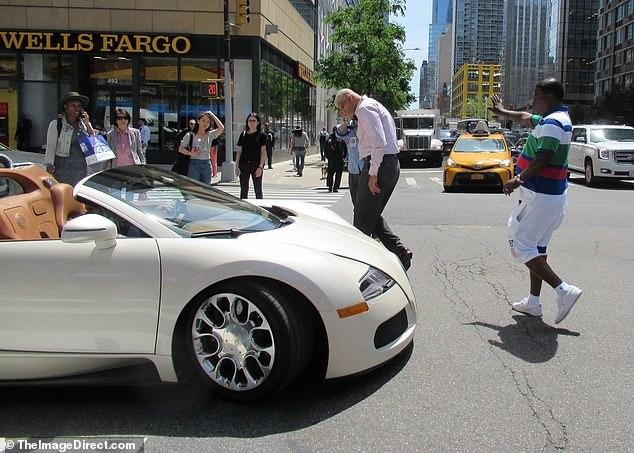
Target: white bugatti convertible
x: 138, y: 265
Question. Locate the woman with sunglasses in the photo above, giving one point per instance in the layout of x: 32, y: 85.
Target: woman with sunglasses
x: 205, y: 131
x: 125, y: 142
x: 250, y: 156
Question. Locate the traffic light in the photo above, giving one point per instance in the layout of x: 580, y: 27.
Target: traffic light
x: 242, y: 12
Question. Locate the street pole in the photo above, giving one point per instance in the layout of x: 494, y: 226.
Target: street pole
x: 228, y: 166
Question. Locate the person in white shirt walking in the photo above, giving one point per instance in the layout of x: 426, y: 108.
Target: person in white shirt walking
x: 378, y: 148
x: 144, y: 132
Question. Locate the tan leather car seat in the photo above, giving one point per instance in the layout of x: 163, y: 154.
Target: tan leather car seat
x: 65, y: 205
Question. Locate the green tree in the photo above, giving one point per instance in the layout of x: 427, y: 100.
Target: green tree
x: 616, y: 106
x: 368, y: 55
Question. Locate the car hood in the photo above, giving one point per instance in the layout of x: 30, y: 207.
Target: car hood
x: 626, y: 146
x: 317, y: 228
x: 481, y: 160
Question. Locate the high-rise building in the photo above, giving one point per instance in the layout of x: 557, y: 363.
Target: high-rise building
x: 526, y: 50
x: 478, y: 32
x: 572, y: 47
x: 424, y: 99
x: 441, y: 16
x: 443, y: 70
x: 615, y: 48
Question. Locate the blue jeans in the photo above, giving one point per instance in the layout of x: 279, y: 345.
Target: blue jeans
x: 300, y: 155
x: 200, y: 170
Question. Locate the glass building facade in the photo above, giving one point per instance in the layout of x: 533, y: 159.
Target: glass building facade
x: 526, y: 51
x: 572, y: 47
x: 615, y: 46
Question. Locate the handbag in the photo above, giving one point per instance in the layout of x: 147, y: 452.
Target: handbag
x: 181, y: 166
x: 95, y: 149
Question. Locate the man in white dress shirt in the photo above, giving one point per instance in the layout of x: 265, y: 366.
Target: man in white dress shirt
x: 144, y: 132
x: 376, y: 133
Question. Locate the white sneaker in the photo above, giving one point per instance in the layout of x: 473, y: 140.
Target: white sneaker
x: 565, y: 303
x: 526, y: 308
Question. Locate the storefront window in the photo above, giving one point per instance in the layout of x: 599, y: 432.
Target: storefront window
x: 8, y: 67
x: 285, y: 103
x: 39, y: 67
x: 159, y: 107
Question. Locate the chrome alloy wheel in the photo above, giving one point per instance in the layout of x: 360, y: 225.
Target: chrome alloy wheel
x: 233, y: 342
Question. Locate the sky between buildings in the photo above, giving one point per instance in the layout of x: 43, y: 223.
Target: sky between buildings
x: 416, y: 22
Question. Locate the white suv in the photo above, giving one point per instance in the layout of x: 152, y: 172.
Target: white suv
x: 602, y: 151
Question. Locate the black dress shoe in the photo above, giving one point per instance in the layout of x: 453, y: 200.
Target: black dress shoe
x: 405, y: 255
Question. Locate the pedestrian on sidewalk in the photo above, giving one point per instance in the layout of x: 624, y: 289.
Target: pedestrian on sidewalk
x: 348, y: 133
x: 270, y: 143
x: 336, y: 152
x: 144, y: 133
x: 23, y: 132
x: 378, y: 148
x: 125, y: 142
x: 541, y: 177
x: 297, y: 146
x: 206, y: 129
x: 64, y: 157
x: 323, y: 138
x: 250, y: 155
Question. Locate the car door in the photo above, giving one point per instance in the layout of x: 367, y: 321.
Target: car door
x: 59, y: 297
x: 577, y: 149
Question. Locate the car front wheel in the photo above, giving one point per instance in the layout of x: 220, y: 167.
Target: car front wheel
x: 589, y: 173
x: 248, y: 341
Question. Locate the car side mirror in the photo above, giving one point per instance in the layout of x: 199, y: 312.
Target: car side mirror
x: 89, y: 228
x: 580, y: 139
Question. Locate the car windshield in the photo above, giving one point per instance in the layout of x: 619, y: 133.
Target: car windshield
x: 418, y: 123
x: 444, y: 133
x: 612, y: 134
x: 479, y: 145
x: 184, y: 205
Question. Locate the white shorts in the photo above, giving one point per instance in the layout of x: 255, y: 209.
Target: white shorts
x: 533, y: 222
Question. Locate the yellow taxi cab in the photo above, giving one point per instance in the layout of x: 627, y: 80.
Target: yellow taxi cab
x: 479, y: 159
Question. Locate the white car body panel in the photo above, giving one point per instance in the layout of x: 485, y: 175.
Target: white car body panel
x: 96, y: 301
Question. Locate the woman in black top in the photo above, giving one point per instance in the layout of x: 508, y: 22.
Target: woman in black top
x: 250, y: 155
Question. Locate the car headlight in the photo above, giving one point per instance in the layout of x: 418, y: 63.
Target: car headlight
x: 436, y: 144
x: 505, y: 163
x: 451, y: 162
x: 604, y: 154
x: 374, y: 283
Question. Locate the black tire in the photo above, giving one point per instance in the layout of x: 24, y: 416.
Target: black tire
x: 448, y: 189
x: 292, y: 334
x: 588, y: 174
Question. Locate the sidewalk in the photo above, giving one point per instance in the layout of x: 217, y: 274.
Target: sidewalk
x: 282, y: 173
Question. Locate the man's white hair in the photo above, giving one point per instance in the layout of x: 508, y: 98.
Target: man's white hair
x: 341, y: 94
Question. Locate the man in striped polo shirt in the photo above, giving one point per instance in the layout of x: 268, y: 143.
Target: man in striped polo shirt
x: 541, y: 172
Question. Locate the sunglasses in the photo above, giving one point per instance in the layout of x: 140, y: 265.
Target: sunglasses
x: 123, y: 118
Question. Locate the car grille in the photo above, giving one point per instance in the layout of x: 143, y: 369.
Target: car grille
x: 418, y: 142
x: 391, y: 329
x: 626, y: 157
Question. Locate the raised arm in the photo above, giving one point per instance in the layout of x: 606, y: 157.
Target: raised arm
x: 516, y: 116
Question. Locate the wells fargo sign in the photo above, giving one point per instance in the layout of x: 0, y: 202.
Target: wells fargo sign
x: 94, y: 42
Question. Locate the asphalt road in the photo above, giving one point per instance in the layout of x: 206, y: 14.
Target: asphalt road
x: 478, y: 378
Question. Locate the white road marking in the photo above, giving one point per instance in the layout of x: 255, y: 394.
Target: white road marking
x: 437, y: 180
x: 411, y: 170
x: 411, y: 182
